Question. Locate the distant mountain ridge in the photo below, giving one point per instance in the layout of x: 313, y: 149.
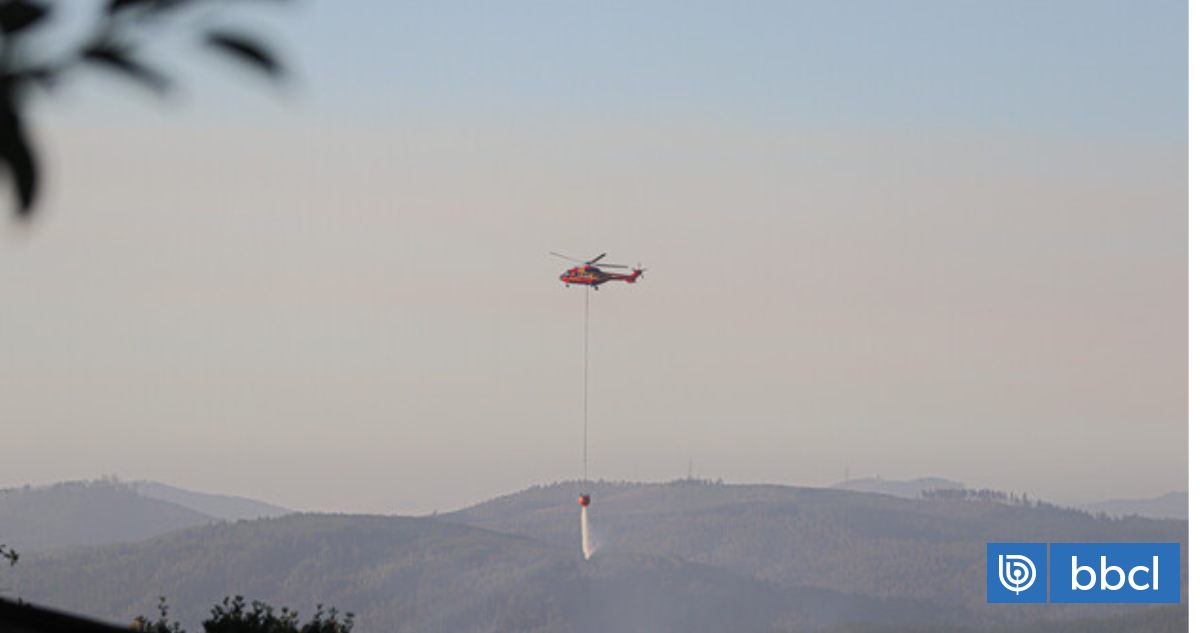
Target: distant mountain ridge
x: 912, y: 489
x: 107, y: 511
x: 223, y: 507
x: 1173, y: 505
x: 75, y: 514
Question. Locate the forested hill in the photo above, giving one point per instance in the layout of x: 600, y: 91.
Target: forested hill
x: 929, y: 549
x: 423, y: 574
x: 674, y: 557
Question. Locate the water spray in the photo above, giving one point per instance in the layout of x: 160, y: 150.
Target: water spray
x: 589, y: 546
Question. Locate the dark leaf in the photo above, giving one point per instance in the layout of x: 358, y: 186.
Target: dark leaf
x: 17, y: 156
x: 119, y: 60
x: 117, y: 5
x: 16, y: 15
x: 44, y: 76
x: 246, y: 50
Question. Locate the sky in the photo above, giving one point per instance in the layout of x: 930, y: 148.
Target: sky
x: 894, y: 239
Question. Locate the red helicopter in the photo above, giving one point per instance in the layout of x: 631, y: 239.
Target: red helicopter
x: 590, y: 273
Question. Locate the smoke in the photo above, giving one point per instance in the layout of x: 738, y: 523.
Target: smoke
x: 589, y: 546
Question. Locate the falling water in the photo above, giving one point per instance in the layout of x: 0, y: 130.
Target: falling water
x: 589, y: 547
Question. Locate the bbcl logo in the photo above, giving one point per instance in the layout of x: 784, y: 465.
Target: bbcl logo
x: 1083, y: 572
x: 1017, y: 573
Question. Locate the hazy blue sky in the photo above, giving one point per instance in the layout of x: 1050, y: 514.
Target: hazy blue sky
x: 923, y: 238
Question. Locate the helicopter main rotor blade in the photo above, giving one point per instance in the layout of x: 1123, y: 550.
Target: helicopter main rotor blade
x: 591, y: 262
x: 577, y: 261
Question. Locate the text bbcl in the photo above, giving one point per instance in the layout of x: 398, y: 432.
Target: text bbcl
x: 1114, y: 572
x: 1106, y: 572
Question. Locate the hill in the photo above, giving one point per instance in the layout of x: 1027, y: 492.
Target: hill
x: 424, y: 574
x: 683, y: 556
x: 883, y: 546
x: 223, y: 507
x: 107, y: 511
x: 80, y: 513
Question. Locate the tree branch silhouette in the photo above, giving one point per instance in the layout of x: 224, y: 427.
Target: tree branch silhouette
x: 116, y: 43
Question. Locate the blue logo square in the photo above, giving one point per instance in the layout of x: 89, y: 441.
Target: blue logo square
x: 1016, y: 572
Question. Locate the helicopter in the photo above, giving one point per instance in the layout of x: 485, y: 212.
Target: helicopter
x: 590, y: 273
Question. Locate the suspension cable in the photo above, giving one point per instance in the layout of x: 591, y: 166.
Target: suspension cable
x: 586, y: 309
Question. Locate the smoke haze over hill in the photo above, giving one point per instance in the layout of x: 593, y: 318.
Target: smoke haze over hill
x: 677, y: 557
